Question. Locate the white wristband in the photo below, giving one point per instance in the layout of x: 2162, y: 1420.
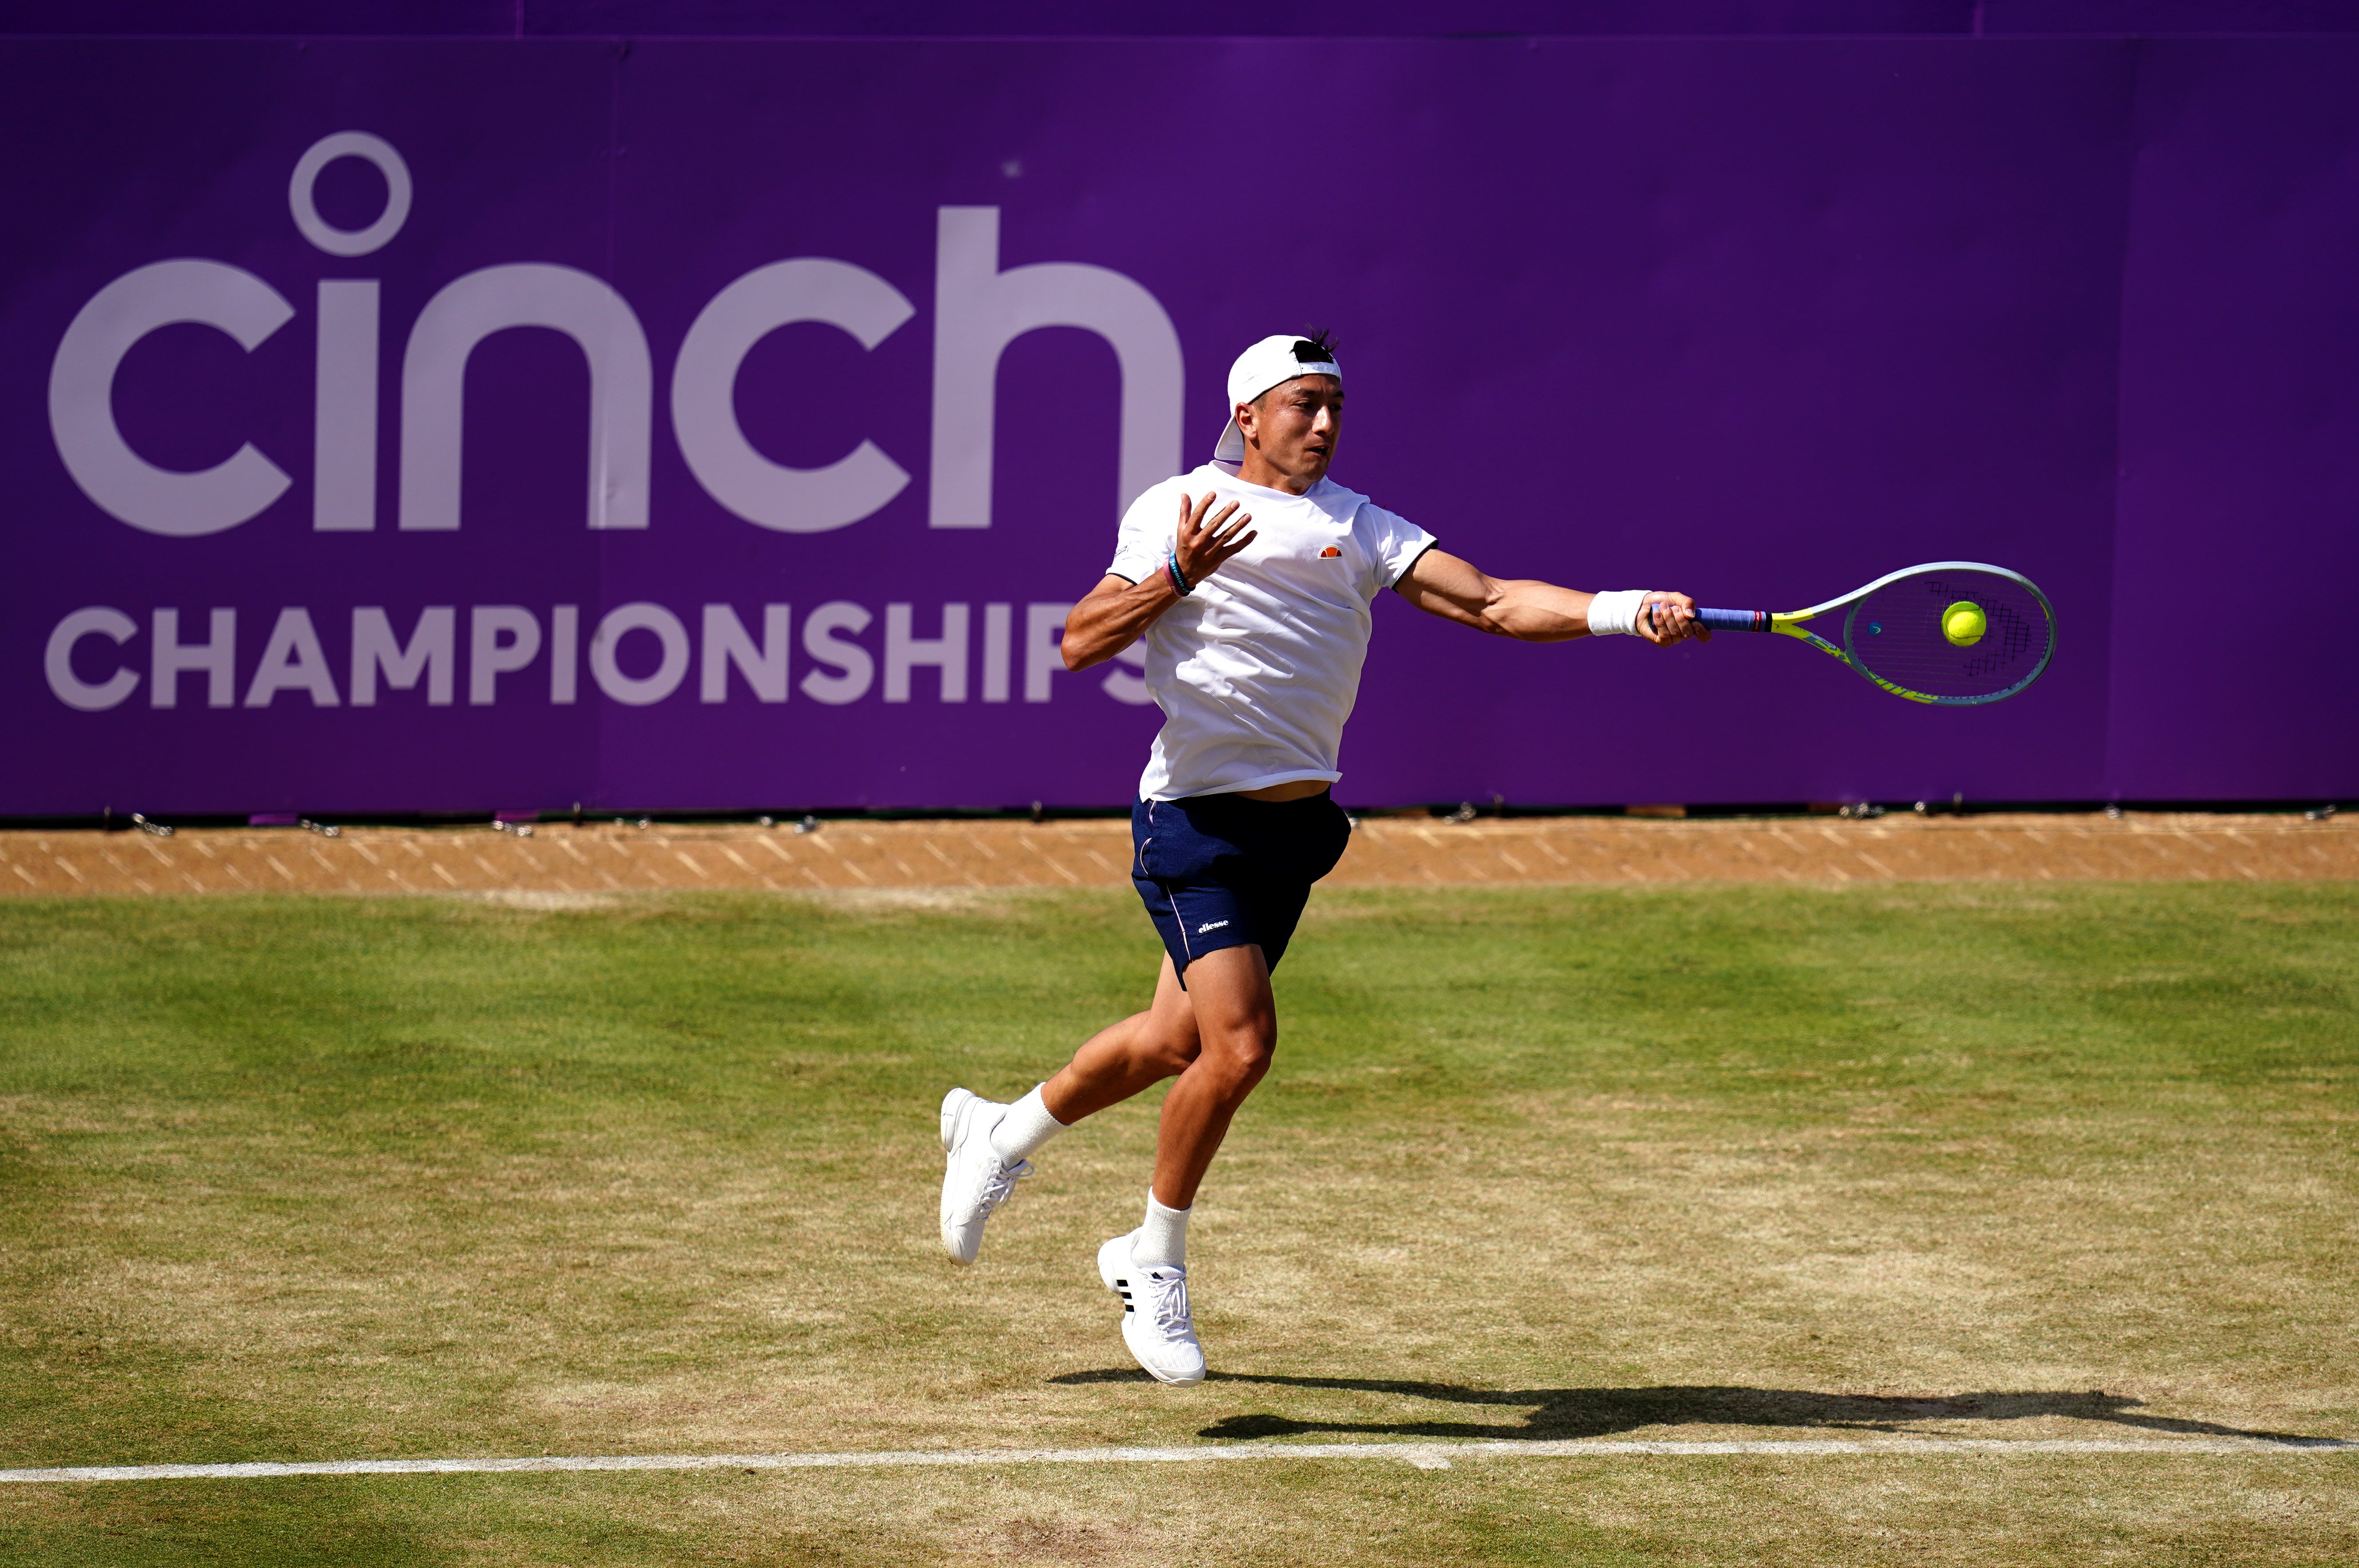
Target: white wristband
x: 1616, y: 612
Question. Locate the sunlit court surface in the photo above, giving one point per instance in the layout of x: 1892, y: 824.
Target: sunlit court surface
x: 1721, y: 1223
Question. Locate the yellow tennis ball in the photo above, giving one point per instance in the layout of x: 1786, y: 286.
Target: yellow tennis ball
x: 1964, y: 623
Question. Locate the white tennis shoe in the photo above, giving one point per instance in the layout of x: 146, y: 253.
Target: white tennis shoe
x: 1156, y: 1321
x: 973, y: 1180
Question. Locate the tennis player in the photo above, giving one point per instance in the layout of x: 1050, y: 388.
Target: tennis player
x: 1251, y: 580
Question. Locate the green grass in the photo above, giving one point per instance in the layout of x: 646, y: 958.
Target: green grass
x: 338, y: 1178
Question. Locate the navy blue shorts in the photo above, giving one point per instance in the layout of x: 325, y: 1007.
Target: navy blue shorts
x: 1220, y: 871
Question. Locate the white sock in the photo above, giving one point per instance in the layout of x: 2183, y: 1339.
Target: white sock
x: 1026, y: 1125
x: 1163, y: 1240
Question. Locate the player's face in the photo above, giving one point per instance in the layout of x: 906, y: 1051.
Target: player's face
x: 1294, y: 427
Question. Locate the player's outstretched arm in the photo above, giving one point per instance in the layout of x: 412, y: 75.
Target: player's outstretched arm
x: 1117, y: 612
x: 1527, y: 610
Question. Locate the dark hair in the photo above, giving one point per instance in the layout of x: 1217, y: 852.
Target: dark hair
x: 1314, y: 347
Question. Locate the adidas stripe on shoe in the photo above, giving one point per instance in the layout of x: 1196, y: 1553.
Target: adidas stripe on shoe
x: 1157, y: 1323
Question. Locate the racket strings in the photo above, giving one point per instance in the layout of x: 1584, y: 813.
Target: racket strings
x: 1895, y: 637
x: 2002, y: 647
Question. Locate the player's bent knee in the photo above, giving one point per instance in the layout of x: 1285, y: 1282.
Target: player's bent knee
x: 1242, y: 1057
x: 1171, y: 1056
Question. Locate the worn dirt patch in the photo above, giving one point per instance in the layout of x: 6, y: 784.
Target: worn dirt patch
x: 562, y: 866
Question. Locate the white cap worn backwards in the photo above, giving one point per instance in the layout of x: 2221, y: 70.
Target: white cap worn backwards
x: 1271, y: 363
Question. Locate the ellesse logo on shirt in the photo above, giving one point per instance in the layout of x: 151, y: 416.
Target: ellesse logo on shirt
x: 1330, y: 549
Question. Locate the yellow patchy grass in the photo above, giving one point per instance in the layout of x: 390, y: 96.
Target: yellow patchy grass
x: 303, y: 1182
x: 2131, y: 1511
x: 1780, y: 1282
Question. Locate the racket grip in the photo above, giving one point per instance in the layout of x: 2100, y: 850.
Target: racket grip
x: 1733, y: 620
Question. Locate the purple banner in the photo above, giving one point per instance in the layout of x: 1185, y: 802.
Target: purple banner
x: 403, y: 426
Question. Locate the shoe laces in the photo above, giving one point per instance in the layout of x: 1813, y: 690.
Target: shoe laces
x: 1000, y: 1183
x: 1167, y: 1303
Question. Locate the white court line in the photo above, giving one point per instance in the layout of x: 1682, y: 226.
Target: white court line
x: 1424, y: 1455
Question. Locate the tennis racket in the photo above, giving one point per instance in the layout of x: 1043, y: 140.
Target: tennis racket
x: 1954, y: 633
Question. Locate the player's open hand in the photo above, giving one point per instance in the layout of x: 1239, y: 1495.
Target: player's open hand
x: 1205, y: 542
x: 1668, y: 618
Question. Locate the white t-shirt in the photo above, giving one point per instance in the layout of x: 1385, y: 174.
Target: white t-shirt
x: 1257, y: 669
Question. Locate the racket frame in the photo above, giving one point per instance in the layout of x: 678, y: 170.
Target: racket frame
x: 1792, y: 624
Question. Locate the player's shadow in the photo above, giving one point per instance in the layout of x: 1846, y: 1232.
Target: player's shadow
x: 1561, y: 1413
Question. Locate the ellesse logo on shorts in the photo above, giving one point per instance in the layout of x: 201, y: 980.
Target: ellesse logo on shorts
x: 1330, y: 549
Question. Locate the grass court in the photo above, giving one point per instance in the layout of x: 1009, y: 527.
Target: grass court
x: 315, y: 1178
